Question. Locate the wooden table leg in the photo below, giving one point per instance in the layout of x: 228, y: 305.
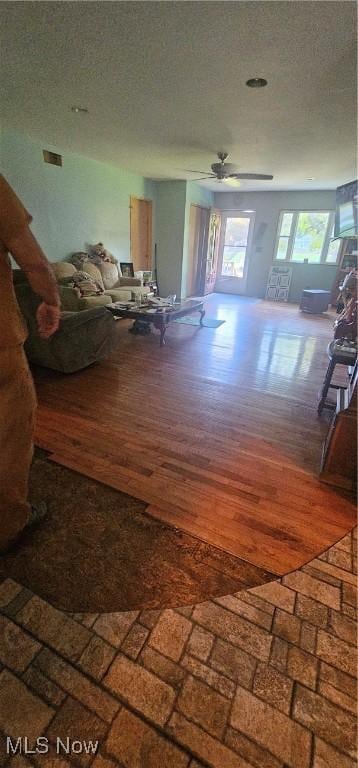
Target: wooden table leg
x: 163, y: 328
x: 161, y: 325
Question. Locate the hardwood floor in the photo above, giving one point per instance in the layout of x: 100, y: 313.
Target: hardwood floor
x: 217, y: 431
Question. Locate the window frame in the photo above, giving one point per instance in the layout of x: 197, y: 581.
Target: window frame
x: 291, y: 237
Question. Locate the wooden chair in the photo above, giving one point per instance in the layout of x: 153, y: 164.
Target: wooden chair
x: 338, y: 354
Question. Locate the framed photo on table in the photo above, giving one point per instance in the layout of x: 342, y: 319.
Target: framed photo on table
x: 127, y: 268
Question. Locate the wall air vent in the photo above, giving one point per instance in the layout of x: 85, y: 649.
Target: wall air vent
x: 52, y: 157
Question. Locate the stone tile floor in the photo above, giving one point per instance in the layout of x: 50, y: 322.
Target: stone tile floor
x: 261, y: 679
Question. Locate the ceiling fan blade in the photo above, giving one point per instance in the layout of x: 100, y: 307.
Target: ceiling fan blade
x: 201, y: 178
x: 248, y: 176
x: 190, y: 170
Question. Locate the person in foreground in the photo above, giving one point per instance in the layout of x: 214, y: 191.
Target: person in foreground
x: 17, y: 394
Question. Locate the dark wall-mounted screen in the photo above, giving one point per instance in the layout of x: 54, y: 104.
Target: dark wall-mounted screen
x: 346, y: 221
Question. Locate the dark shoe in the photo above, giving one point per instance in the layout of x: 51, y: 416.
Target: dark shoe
x: 140, y: 328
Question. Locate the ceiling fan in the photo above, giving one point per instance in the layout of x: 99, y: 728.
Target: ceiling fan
x: 223, y: 171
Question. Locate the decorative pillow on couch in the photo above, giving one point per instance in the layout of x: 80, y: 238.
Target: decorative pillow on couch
x: 110, y: 274
x: 79, y: 258
x: 84, y: 283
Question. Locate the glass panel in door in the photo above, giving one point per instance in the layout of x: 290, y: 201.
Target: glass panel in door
x: 235, y: 246
x: 234, y: 251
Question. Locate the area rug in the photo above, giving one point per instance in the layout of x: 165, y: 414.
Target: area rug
x: 99, y: 552
x: 208, y: 322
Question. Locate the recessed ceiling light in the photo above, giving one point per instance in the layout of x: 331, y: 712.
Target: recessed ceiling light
x: 256, y: 82
x: 79, y: 109
x: 310, y: 178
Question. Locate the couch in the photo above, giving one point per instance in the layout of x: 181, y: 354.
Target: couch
x: 114, y: 286
x: 83, y: 337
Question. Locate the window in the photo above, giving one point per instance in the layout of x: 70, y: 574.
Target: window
x: 307, y: 236
x: 235, y: 244
x: 333, y: 249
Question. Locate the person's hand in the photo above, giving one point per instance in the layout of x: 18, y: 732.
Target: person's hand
x: 48, y: 319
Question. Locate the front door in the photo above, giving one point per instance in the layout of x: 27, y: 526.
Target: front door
x: 141, y: 233
x: 234, y: 251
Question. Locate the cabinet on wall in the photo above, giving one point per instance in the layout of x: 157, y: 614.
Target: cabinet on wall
x: 347, y: 262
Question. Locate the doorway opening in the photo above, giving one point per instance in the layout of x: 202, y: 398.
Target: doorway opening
x: 203, y: 249
x: 197, y: 246
x: 234, y: 251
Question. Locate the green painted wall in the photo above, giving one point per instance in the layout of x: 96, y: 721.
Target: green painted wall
x: 170, y: 224
x: 196, y: 195
x: 174, y: 199
x: 84, y: 202
x: 81, y: 203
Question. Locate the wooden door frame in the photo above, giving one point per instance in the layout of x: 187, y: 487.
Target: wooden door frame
x: 201, y: 264
x: 150, y: 226
x: 192, y: 251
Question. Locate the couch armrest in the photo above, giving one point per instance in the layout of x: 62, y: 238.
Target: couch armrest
x: 128, y: 281
x: 69, y: 298
x: 72, y: 321
x: 82, y: 339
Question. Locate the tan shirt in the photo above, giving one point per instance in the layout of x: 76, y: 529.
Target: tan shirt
x: 13, y: 219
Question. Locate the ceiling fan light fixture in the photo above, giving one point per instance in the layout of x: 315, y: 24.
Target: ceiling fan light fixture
x: 232, y: 182
x: 256, y: 82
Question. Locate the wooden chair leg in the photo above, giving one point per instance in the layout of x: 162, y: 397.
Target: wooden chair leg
x: 326, y: 384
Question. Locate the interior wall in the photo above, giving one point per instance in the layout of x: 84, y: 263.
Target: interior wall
x: 83, y: 202
x: 267, y: 207
x: 170, y: 223
x: 174, y: 199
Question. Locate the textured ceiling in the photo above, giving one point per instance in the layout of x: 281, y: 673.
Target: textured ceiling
x: 164, y: 83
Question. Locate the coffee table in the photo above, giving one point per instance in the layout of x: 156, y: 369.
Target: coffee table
x: 160, y: 318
